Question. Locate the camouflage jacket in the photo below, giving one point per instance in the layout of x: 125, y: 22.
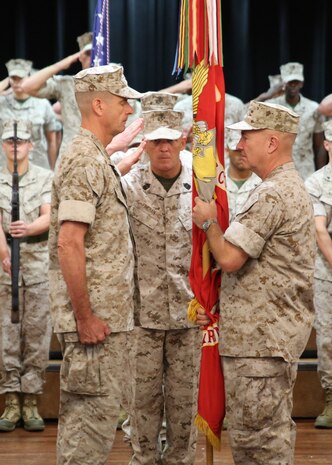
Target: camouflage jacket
x: 266, y: 306
x: 34, y: 191
x: 319, y: 186
x: 86, y: 189
x: 162, y: 223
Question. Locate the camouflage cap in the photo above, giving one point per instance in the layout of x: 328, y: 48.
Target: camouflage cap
x: 275, y: 80
x: 292, y: 72
x: 19, y: 67
x: 327, y: 126
x: 263, y: 115
x: 85, y: 41
x: 162, y: 124
x: 158, y: 101
x: 107, y: 78
x: 23, y: 130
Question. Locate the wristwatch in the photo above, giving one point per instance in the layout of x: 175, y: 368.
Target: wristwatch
x: 207, y: 223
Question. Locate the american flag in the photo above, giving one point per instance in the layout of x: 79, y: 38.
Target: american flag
x: 100, y: 40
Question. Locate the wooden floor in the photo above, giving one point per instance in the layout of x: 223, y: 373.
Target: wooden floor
x: 314, y: 447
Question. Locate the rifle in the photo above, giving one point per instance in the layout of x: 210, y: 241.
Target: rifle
x: 15, y: 242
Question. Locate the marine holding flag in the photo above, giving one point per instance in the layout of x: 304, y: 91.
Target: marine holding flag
x: 266, y: 304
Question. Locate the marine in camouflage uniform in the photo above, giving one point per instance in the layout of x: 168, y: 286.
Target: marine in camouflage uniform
x: 319, y: 186
x: 38, y: 112
x: 239, y: 180
x: 266, y: 303
x: 165, y: 347
x: 308, y: 150
x: 45, y: 84
x: 24, y: 347
x: 87, y: 196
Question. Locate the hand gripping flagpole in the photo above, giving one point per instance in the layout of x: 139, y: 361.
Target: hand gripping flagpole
x: 200, y: 49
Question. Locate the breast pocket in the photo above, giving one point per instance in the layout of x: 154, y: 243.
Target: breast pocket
x: 144, y: 216
x: 37, y: 132
x: 186, y: 221
x: 30, y: 210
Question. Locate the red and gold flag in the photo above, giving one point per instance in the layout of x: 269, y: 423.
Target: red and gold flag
x: 200, y: 49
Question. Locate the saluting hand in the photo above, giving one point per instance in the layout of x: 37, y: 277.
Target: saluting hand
x: 121, y: 142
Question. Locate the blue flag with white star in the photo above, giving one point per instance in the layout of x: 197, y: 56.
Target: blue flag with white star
x: 100, y: 41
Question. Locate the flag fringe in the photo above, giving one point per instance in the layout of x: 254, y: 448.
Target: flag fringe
x: 203, y: 426
x: 192, y: 309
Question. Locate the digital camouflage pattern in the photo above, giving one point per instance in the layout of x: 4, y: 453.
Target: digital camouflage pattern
x: 23, y: 129
x: 85, y: 41
x: 266, y: 307
x: 323, y: 326
x: 91, y: 380
x: 86, y: 188
x: 164, y: 367
x: 19, y: 67
x: 258, y: 409
x: 158, y: 101
x: 267, y: 115
x: 107, y: 78
x: 162, y: 124
x: 24, y: 347
x: 310, y: 123
x: 162, y: 225
x: 237, y: 197
x: 42, y: 117
x: 292, y: 72
x: 61, y: 88
x: 319, y: 186
x: 164, y: 347
x: 34, y: 190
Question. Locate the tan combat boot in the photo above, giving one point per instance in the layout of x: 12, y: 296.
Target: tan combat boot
x: 324, y: 420
x: 31, y: 418
x: 12, y: 413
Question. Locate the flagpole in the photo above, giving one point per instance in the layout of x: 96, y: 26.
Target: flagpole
x: 209, y: 452
x: 200, y: 49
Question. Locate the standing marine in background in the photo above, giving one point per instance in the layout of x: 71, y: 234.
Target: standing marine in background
x: 24, y: 348
x: 21, y: 106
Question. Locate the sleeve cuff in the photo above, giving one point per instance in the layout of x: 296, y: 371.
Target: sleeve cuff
x: 245, y: 238
x: 76, y: 210
x: 319, y: 209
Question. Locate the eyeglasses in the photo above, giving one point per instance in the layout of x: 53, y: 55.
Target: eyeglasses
x: 11, y: 141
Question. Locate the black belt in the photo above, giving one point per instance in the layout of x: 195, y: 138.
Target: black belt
x: 30, y: 239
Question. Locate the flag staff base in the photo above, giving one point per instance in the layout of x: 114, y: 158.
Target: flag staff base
x: 209, y: 452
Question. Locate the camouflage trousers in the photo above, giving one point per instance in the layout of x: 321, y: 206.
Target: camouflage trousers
x: 164, y: 369
x: 24, y: 346
x: 259, y: 402
x: 92, y: 379
x: 323, y: 326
